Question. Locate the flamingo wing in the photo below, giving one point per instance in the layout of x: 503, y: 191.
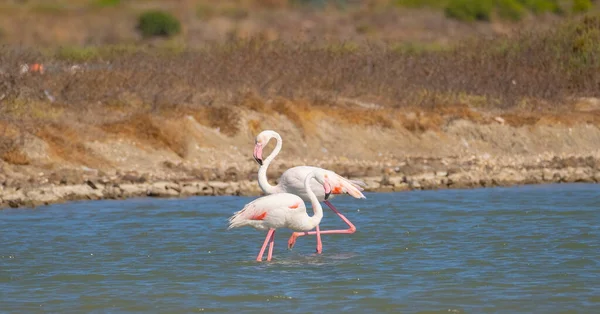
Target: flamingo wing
x: 271, y: 209
x: 292, y: 181
x: 341, y: 185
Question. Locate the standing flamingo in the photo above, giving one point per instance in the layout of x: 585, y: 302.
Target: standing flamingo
x: 282, y: 210
x: 291, y: 182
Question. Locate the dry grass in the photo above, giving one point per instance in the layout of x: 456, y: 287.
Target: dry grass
x: 254, y: 126
x: 15, y: 157
x: 66, y: 143
x: 141, y: 93
x: 362, y: 117
x: 224, y: 118
x: 10, y: 151
x: 33, y: 22
x: 155, y: 131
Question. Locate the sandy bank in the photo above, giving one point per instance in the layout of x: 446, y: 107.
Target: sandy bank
x: 186, y: 158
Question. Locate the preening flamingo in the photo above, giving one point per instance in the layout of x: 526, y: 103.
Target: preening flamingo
x: 282, y: 210
x: 291, y: 181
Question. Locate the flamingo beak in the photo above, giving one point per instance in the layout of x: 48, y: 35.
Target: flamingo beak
x: 327, y: 189
x: 258, y: 153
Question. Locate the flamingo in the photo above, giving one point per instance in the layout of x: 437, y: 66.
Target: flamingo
x: 291, y: 182
x: 282, y: 210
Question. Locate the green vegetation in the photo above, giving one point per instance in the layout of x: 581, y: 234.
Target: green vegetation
x: 482, y: 10
x: 421, y: 3
x: 582, y: 6
x: 510, y: 9
x: 89, y: 53
x: 49, y: 8
x: 469, y: 10
x: 158, y: 23
x: 584, y: 41
x: 542, y: 6
x: 112, y: 52
x: 107, y: 3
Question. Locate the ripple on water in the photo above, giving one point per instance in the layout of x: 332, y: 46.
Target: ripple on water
x: 573, y: 245
x: 578, y: 262
x: 80, y: 277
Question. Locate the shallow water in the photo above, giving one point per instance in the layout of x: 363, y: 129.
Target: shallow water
x: 533, y: 249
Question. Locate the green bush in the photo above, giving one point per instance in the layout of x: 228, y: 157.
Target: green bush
x: 585, y: 42
x: 542, y: 6
x: 107, y: 3
x: 158, y: 23
x: 509, y: 9
x: 76, y: 54
x: 580, y: 6
x: 469, y: 10
x: 420, y: 3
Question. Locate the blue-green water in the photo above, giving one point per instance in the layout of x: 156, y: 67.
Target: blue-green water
x: 533, y: 249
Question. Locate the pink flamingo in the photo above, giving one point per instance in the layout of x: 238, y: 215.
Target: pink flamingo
x: 291, y: 182
x: 282, y: 210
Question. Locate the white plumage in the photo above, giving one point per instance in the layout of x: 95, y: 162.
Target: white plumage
x: 282, y: 210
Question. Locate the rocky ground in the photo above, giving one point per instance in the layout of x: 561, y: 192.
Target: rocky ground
x: 410, y: 174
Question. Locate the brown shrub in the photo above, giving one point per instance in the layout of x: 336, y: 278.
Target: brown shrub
x: 252, y: 101
x: 65, y: 142
x: 254, y: 126
x: 15, y: 157
x: 225, y: 118
x: 11, y: 152
x: 362, y: 117
x: 420, y: 122
x: 154, y: 131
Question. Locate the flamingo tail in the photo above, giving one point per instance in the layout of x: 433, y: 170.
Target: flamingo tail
x: 358, y: 184
x: 238, y: 219
x: 353, y: 187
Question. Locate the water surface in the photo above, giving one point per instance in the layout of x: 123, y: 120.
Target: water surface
x: 533, y: 249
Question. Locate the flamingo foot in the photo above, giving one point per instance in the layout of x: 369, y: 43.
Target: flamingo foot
x: 292, y: 240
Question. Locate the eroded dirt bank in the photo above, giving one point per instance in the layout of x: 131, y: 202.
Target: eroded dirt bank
x: 457, y: 153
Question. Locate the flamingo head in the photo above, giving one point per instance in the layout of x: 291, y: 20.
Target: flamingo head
x: 258, y: 148
x: 261, y: 141
x: 323, y: 179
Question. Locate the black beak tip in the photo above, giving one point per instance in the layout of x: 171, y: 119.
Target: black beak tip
x: 259, y: 161
x: 327, y: 195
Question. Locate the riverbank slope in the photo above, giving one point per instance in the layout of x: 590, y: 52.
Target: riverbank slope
x: 451, y: 153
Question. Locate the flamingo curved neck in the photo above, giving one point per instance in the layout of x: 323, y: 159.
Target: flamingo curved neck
x: 316, y: 205
x: 263, y: 182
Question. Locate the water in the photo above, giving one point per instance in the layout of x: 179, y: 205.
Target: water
x: 533, y: 249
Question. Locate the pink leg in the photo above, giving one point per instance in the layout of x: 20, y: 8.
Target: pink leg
x: 319, y: 243
x: 271, y: 242
x: 350, y: 230
x: 262, y: 250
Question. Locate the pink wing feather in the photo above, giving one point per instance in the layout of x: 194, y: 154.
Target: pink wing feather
x: 264, y: 206
x: 352, y: 187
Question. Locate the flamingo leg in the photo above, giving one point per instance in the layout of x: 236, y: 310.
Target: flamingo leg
x: 350, y: 230
x: 319, y: 243
x: 271, y: 242
x: 262, y: 250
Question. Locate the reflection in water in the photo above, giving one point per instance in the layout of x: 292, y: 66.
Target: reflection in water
x: 522, y: 249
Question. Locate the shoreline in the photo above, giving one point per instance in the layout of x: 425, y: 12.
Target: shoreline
x: 418, y: 175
